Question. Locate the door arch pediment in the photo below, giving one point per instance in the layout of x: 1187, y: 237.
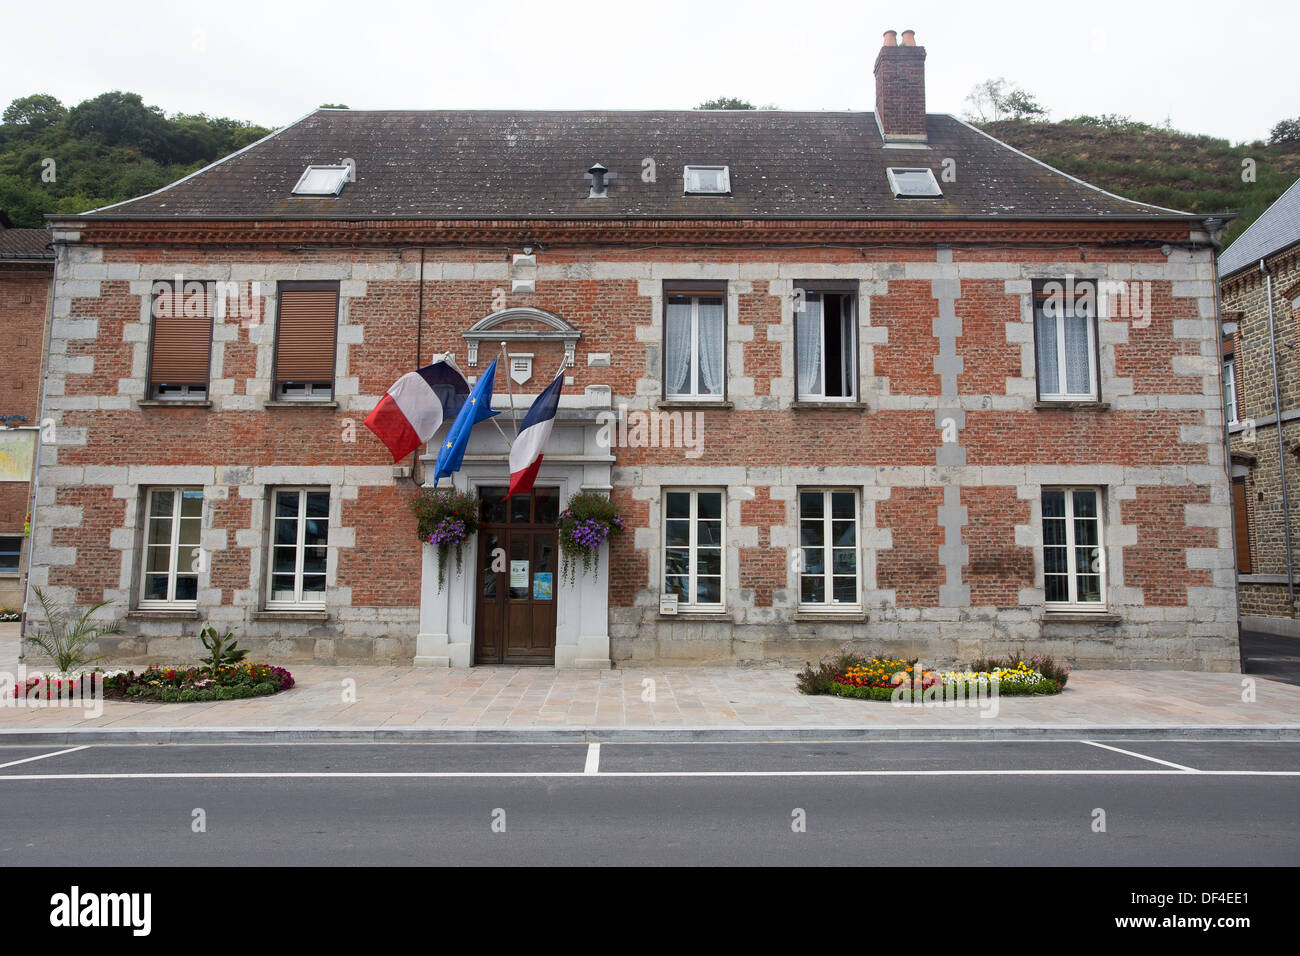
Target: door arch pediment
x: 522, y: 324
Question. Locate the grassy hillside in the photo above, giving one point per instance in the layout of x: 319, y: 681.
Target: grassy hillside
x: 1161, y: 166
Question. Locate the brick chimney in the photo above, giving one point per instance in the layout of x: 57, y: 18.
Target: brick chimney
x: 900, y: 89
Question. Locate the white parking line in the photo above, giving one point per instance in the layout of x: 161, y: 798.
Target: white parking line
x: 593, y: 759
x: 1130, y: 753
x: 558, y: 774
x: 14, y: 763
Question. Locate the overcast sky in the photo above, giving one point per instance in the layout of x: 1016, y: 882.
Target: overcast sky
x: 1218, y: 68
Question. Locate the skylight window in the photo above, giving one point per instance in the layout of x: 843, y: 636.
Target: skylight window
x: 322, y: 181
x: 913, y: 184
x: 708, y: 180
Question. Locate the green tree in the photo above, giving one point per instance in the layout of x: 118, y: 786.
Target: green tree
x: 725, y: 103
x: 35, y: 112
x: 333, y: 106
x: 1287, y: 131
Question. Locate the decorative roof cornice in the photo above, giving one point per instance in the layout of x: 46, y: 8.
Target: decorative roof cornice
x: 767, y: 232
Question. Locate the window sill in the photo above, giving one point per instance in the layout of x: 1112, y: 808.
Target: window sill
x: 1081, y: 617
x: 710, y: 615
x: 299, y: 403
x: 691, y: 403
x: 291, y: 615
x: 164, y: 614
x: 829, y: 616
x: 1083, y: 405
x: 831, y: 406
x: 174, y: 403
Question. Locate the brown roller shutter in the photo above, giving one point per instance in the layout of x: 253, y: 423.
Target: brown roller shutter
x: 304, y: 345
x: 1241, y: 524
x: 182, y: 336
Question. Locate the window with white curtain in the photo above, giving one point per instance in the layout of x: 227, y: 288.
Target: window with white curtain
x: 694, y: 339
x: 1065, y: 341
x: 825, y: 346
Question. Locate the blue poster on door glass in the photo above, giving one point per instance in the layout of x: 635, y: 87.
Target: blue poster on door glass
x: 542, y: 589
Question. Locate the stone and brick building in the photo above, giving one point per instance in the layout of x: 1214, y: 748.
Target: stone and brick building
x: 1261, y: 369
x: 26, y: 271
x: 869, y: 377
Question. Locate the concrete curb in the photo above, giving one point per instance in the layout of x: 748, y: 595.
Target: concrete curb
x: 550, y: 735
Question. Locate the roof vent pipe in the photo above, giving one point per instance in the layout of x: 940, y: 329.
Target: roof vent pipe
x: 600, y: 177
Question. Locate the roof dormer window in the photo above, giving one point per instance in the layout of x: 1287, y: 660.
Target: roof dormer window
x: 707, y: 181
x: 916, y: 183
x: 322, y: 181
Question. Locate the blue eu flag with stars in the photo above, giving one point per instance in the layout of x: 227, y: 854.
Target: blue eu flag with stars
x: 477, y: 408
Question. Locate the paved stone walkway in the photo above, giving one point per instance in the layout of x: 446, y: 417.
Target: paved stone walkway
x: 667, y: 697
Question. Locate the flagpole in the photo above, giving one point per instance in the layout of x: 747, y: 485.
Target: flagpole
x: 510, y: 389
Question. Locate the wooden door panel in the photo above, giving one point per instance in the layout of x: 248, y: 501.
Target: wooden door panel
x: 515, y: 615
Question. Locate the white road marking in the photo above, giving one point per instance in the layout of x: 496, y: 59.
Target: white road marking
x: 469, y: 775
x: 14, y: 763
x: 593, y: 759
x: 1130, y: 753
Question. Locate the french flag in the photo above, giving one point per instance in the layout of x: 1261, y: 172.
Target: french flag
x: 416, y: 406
x: 526, y: 452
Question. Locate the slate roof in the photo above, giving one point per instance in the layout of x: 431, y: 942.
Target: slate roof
x: 519, y: 165
x: 1275, y: 230
x: 24, y: 244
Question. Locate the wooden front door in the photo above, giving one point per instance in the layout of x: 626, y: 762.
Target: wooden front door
x: 514, y: 622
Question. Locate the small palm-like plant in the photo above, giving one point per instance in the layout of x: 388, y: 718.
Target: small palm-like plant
x: 66, y: 643
x: 222, y: 649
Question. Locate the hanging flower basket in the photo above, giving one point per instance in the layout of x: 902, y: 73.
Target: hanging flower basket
x: 445, y: 518
x: 589, y: 519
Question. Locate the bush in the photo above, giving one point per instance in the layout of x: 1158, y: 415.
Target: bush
x: 194, y: 684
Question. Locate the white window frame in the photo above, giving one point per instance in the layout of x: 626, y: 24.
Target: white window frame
x: 1061, y: 377
x: 691, y: 183
x: 299, y: 188
x: 174, y: 549
x: 828, y: 550
x: 305, y: 392
x: 896, y: 174
x: 693, y: 548
x: 297, y: 602
x: 696, y: 378
x: 1230, y: 389
x: 852, y: 301
x: 1072, y: 570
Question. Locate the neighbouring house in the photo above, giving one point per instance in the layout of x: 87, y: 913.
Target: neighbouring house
x: 1259, y: 276
x: 849, y: 376
x: 26, y: 272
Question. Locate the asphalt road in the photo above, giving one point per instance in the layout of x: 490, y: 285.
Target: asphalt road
x: 925, y: 803
x: 1271, y: 655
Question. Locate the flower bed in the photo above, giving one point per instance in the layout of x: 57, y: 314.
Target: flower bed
x: 851, y: 674
x: 53, y: 687
x: 194, y: 684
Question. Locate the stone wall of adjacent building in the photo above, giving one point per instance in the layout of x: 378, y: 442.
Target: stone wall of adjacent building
x: 947, y: 449
x: 1264, y: 592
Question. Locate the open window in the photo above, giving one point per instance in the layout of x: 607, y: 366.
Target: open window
x: 826, y: 345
